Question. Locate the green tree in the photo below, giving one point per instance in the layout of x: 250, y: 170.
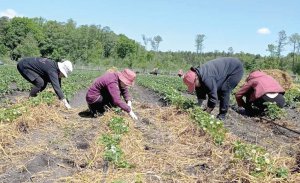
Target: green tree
x: 155, y: 42
x: 126, y: 47
x: 199, y: 43
x: 17, y: 31
x: 281, y: 42
x: 294, y: 40
x: 28, y: 47
x: 230, y: 51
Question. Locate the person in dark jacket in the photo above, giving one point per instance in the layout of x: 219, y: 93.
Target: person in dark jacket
x: 216, y: 78
x: 107, y: 90
x: 41, y: 71
x: 258, y: 89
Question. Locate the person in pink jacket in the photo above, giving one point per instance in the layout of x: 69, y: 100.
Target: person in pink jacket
x: 107, y: 90
x: 258, y: 89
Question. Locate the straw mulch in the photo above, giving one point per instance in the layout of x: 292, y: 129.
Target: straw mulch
x: 284, y: 79
x: 163, y: 146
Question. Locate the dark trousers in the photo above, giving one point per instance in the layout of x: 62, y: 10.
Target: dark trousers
x: 99, y: 106
x: 224, y: 95
x: 38, y: 84
x: 258, y: 107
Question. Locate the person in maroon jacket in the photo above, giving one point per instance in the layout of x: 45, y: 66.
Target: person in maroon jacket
x: 258, y: 89
x: 107, y: 90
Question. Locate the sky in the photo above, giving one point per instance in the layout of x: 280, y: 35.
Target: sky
x: 245, y: 25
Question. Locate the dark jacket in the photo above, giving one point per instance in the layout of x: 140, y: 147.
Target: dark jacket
x: 213, y: 77
x: 45, y: 68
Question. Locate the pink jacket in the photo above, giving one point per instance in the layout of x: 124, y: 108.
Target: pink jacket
x: 258, y: 83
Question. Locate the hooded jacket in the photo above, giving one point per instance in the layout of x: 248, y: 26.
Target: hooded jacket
x: 108, y: 86
x: 258, y: 84
x: 213, y: 76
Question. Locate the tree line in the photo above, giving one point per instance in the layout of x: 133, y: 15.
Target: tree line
x: 96, y: 45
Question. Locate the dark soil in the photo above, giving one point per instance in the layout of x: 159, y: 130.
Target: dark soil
x: 64, y: 149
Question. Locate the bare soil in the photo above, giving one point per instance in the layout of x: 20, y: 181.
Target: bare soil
x: 63, y: 147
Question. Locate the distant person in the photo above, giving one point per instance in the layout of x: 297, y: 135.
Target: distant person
x: 41, y: 71
x: 180, y: 73
x: 107, y: 90
x: 216, y: 79
x: 258, y: 89
x: 154, y: 71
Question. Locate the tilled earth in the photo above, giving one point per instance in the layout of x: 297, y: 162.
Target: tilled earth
x: 66, y: 145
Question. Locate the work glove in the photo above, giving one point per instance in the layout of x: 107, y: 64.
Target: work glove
x: 132, y: 115
x: 65, y: 102
x: 129, y: 104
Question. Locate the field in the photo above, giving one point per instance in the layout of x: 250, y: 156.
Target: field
x: 173, y: 140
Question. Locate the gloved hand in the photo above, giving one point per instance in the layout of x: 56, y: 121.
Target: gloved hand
x: 132, y: 115
x: 65, y: 102
x: 129, y: 104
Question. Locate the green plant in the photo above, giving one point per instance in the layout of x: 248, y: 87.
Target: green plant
x: 11, y: 113
x: 292, y: 96
x: 282, y: 173
x: 273, y: 111
x: 117, y: 124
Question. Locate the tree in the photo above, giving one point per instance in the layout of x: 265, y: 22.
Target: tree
x: 230, y: 51
x: 155, y: 42
x: 4, y: 21
x: 199, y: 43
x: 282, y: 41
x: 109, y: 41
x: 27, y: 48
x: 17, y: 30
x: 126, y: 47
x: 272, y: 49
x: 145, y: 40
x: 294, y: 40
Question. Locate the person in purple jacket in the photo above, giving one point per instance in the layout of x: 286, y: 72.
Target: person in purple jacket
x: 107, y: 90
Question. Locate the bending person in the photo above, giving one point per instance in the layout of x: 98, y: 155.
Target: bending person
x: 216, y: 79
x: 41, y: 71
x: 107, y: 90
x: 258, y: 89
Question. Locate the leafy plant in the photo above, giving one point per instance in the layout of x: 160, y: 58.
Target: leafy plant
x: 117, y: 124
x: 282, y: 173
x: 273, y: 111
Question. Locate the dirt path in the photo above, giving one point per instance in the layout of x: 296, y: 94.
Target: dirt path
x: 65, y: 147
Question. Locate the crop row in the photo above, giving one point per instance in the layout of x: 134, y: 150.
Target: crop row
x: 261, y: 164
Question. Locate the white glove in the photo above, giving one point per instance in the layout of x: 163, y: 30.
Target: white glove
x: 132, y: 115
x: 67, y: 105
x: 129, y: 104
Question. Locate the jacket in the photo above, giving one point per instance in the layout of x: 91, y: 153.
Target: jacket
x: 257, y: 84
x: 42, y: 67
x: 108, y: 86
x: 213, y: 76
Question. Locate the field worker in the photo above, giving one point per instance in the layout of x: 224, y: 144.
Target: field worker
x: 258, y: 89
x: 216, y: 79
x: 180, y: 73
x: 107, y: 90
x: 40, y: 71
